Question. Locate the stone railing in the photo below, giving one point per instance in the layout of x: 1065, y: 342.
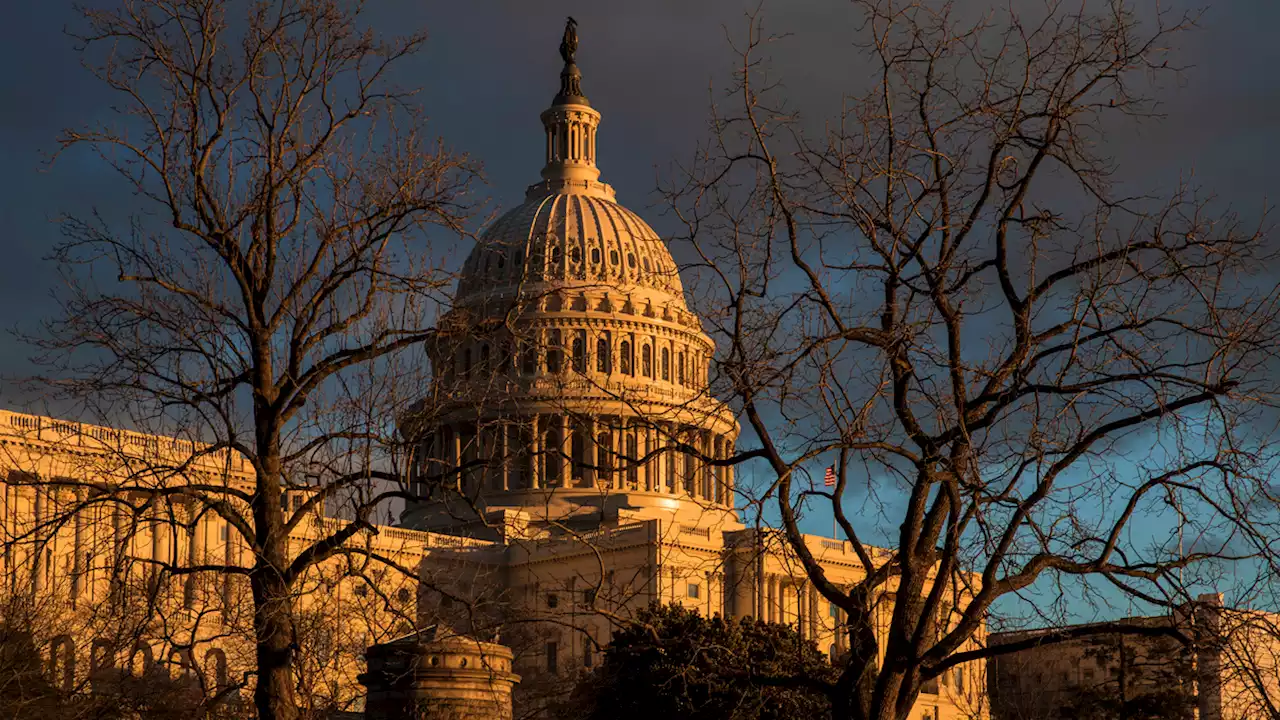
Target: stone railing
x: 82, y: 437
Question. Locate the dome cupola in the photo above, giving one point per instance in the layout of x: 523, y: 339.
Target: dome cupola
x: 570, y: 377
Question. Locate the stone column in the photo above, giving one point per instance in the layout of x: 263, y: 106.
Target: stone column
x: 78, y: 569
x: 504, y: 463
x: 644, y: 445
x: 766, y: 613
x: 815, y: 608
x: 802, y: 612
x: 566, y: 456
x: 535, y: 453
x: 455, y: 456
x: 589, y: 452
x: 37, y: 548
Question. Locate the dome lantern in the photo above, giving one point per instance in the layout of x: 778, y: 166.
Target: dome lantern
x: 570, y: 125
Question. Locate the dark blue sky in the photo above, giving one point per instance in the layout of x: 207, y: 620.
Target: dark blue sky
x: 491, y: 67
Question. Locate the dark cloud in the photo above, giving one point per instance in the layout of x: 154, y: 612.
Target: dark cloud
x: 491, y: 67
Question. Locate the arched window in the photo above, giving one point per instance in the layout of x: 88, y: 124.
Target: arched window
x: 680, y: 367
x: 646, y: 361
x: 62, y: 661
x: 101, y: 656
x: 484, y: 360
x: 604, y: 354
x: 141, y: 660
x: 604, y: 459
x: 466, y: 363
x: 624, y: 356
x: 666, y: 364
x: 555, y: 351
x: 580, y: 351
x: 215, y: 669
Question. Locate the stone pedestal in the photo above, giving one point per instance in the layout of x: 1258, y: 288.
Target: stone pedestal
x: 438, y: 675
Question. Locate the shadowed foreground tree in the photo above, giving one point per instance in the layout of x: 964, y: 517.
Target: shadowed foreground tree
x: 268, y: 292
x: 1030, y: 377
x: 671, y: 662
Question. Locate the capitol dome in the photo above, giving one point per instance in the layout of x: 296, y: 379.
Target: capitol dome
x: 558, y: 238
x: 570, y: 379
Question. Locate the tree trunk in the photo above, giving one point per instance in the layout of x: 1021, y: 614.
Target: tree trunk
x: 272, y: 600
x: 273, y: 624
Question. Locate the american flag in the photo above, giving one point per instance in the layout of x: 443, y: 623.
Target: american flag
x: 829, y: 478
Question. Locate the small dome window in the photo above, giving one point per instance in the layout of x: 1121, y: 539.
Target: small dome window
x: 595, y: 256
x: 631, y: 259
x: 575, y: 255
x: 555, y: 255
x: 502, y: 261
x: 646, y: 264
x: 613, y: 257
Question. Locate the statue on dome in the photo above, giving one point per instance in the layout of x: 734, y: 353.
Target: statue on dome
x: 569, y: 45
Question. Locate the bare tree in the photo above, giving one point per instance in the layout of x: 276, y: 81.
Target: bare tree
x: 267, y: 296
x: 1032, y: 378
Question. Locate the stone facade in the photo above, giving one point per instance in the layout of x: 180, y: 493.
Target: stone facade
x: 1229, y: 671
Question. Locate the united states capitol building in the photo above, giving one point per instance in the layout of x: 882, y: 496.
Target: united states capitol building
x: 566, y: 371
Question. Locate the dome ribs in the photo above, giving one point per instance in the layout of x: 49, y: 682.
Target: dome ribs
x: 569, y: 239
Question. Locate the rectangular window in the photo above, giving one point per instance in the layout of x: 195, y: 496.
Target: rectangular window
x: 695, y: 590
x: 553, y: 664
x: 833, y: 610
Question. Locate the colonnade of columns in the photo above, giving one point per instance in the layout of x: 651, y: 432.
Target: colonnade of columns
x: 786, y: 601
x: 549, y: 451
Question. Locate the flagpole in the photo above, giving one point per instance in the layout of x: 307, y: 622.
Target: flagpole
x: 829, y: 480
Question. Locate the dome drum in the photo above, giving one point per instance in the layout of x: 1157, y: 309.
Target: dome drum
x: 550, y: 464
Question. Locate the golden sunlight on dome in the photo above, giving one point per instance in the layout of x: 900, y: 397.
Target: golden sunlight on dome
x: 561, y: 239
x: 570, y: 378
